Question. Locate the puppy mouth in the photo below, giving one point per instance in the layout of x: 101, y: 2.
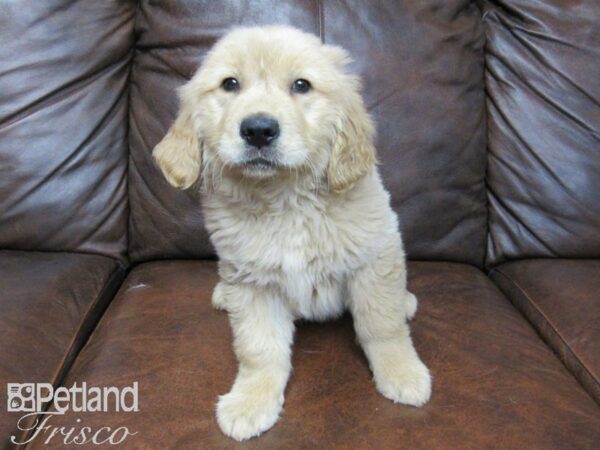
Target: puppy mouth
x: 260, y: 164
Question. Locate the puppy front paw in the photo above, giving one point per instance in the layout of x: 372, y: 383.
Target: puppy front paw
x: 407, y: 382
x: 410, y: 302
x: 218, y: 297
x: 243, y: 413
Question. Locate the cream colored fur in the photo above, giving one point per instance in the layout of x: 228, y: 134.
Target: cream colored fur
x: 310, y: 238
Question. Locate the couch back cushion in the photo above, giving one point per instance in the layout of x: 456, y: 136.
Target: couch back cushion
x: 543, y: 85
x: 63, y: 125
x: 422, y: 66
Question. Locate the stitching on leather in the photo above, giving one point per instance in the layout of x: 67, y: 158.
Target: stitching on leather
x: 554, y: 329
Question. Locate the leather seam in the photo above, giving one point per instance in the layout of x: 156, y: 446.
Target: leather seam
x: 62, y: 369
x: 321, y: 20
x: 136, y: 12
x: 566, y: 346
x: 486, y: 187
x: 57, y: 377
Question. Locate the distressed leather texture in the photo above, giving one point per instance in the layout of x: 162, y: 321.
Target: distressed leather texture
x: 488, y: 123
x: 63, y: 125
x: 429, y: 60
x: 542, y: 64
x: 491, y: 371
x: 49, y: 304
x: 560, y: 298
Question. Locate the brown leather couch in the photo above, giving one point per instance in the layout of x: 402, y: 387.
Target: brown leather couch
x: 488, y: 118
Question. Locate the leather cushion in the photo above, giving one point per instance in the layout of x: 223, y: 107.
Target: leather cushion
x: 63, y: 125
x: 561, y: 298
x: 542, y: 61
x: 49, y: 303
x: 422, y: 65
x: 496, y: 384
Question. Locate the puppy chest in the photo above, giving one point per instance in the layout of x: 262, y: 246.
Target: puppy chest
x: 284, y: 244
x: 289, y: 243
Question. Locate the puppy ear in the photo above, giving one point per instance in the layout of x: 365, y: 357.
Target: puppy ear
x: 179, y: 153
x: 337, y: 55
x: 353, y: 153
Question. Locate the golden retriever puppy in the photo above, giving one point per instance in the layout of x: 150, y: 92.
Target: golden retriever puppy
x: 274, y: 127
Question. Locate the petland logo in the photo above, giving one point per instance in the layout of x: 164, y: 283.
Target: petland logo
x: 40, y: 402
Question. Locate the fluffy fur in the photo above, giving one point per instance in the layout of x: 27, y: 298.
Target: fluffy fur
x: 311, y: 235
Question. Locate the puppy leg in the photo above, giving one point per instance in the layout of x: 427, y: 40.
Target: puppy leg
x: 378, y: 299
x: 218, y: 296
x: 263, y: 331
x: 410, y: 305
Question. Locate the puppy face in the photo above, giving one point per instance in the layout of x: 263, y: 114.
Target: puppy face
x: 270, y: 102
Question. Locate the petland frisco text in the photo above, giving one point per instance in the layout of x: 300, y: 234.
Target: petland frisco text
x: 41, y: 402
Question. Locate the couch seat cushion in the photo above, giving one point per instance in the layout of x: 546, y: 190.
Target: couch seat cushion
x: 49, y: 302
x: 496, y: 384
x: 561, y: 298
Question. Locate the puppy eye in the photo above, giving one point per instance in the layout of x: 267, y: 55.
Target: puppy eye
x: 301, y: 86
x: 230, y: 85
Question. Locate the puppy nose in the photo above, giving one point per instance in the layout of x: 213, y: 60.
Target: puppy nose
x: 259, y: 130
